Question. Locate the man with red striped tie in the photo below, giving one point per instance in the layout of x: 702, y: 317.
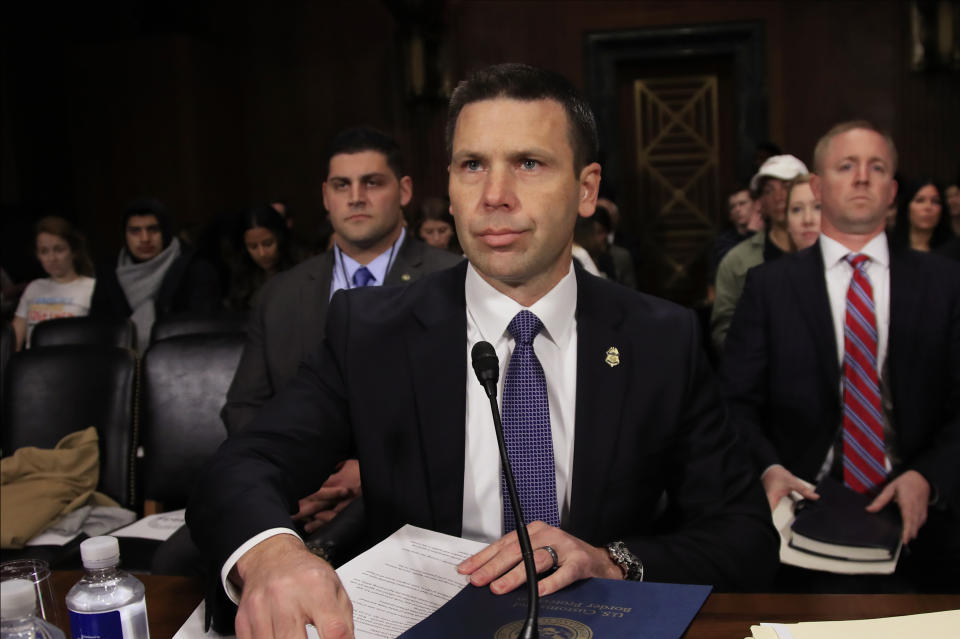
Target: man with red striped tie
x: 845, y: 360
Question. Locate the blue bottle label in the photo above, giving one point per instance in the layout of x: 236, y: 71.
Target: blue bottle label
x: 127, y: 622
x: 101, y: 625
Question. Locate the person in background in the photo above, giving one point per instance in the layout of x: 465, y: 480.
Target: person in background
x: 953, y: 205
x: 745, y: 218
x: 803, y: 214
x: 615, y: 260
x: 155, y: 274
x: 921, y: 224
x: 769, y: 186
x: 66, y: 291
x: 436, y: 226
x: 263, y: 250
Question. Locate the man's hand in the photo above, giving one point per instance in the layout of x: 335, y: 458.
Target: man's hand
x: 501, y: 563
x: 285, y: 587
x: 778, y: 482
x: 340, y: 489
x: 911, y: 491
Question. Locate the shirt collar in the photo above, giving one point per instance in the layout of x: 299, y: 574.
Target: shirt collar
x: 833, y: 251
x: 378, y: 267
x: 492, y: 311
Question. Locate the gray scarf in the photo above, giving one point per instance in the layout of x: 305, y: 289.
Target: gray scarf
x: 141, y: 282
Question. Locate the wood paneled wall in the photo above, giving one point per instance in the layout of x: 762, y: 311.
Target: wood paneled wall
x: 216, y: 105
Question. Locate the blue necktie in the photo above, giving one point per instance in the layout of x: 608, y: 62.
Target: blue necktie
x: 526, y: 429
x: 362, y: 277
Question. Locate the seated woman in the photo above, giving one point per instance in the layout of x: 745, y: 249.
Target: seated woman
x: 436, y: 226
x: 62, y: 252
x: 154, y: 275
x: 263, y: 249
x: 803, y: 214
x: 921, y: 224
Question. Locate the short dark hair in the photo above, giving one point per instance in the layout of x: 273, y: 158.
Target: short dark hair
x: 150, y: 206
x: 526, y: 83
x: 365, y: 138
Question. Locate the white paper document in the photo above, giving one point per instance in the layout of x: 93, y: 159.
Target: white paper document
x: 158, y: 527
x: 403, y: 579
x: 928, y: 625
x: 393, y: 586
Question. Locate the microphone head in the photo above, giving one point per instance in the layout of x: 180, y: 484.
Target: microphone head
x: 485, y: 363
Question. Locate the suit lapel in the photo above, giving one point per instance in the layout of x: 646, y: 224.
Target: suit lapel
x: 602, y: 375
x: 314, y: 299
x: 437, y: 348
x: 407, y: 263
x: 807, y: 278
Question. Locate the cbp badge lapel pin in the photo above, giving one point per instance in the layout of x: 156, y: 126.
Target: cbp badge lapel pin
x: 613, y: 357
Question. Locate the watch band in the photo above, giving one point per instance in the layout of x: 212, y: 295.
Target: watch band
x: 629, y: 563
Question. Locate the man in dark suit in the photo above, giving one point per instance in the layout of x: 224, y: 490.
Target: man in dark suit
x: 792, y: 354
x: 364, y: 191
x: 633, y: 412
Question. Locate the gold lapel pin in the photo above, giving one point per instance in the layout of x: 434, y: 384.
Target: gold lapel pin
x: 613, y: 357
x: 405, y: 277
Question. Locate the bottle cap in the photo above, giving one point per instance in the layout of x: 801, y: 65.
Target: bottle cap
x: 100, y: 552
x: 18, y: 598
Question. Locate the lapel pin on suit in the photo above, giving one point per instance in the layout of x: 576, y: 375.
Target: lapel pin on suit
x: 405, y: 277
x: 613, y: 357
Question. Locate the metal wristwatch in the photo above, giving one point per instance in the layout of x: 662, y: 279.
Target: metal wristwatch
x: 631, y: 566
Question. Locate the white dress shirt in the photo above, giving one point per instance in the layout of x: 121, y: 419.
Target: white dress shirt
x: 488, y: 314
x: 345, y: 266
x: 839, y: 273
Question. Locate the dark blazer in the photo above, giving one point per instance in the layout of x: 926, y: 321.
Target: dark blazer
x: 288, y: 322
x: 190, y: 284
x: 388, y: 386
x: 782, y: 377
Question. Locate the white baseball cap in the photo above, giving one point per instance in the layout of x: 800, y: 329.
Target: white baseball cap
x: 783, y: 167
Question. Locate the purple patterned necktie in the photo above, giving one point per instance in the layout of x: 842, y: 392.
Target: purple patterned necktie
x: 362, y: 277
x: 526, y: 429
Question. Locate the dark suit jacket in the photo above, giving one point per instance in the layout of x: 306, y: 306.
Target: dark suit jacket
x: 288, y: 322
x: 190, y: 284
x: 782, y: 377
x: 389, y: 387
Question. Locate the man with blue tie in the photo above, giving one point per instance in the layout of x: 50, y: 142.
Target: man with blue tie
x: 609, y: 407
x: 844, y: 360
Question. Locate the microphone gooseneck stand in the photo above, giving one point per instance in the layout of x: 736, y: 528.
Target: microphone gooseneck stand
x: 487, y: 367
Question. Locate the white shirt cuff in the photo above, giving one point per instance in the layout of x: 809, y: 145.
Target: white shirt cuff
x: 232, y: 591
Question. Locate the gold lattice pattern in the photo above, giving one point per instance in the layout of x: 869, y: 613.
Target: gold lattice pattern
x: 677, y: 154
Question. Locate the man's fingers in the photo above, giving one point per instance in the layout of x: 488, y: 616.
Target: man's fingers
x: 558, y: 580
x: 471, y: 564
x: 882, y: 499
x: 517, y: 576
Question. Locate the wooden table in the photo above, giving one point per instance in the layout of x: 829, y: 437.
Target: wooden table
x: 170, y: 600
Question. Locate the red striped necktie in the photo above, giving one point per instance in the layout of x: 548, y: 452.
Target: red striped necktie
x: 863, y: 446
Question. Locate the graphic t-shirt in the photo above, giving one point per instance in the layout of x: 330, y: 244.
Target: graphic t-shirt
x: 45, y: 299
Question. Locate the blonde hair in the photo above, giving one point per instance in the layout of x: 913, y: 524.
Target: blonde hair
x: 820, y: 150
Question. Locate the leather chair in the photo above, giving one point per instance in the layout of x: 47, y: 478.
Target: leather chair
x: 6, y: 350
x: 224, y: 321
x: 53, y: 391
x: 85, y: 330
x: 184, y: 386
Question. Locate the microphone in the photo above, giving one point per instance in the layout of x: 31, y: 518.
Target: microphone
x: 487, y: 367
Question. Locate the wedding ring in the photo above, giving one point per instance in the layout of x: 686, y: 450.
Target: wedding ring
x: 553, y: 555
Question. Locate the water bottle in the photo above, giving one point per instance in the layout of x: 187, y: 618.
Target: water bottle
x: 106, y: 603
x: 18, y: 605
